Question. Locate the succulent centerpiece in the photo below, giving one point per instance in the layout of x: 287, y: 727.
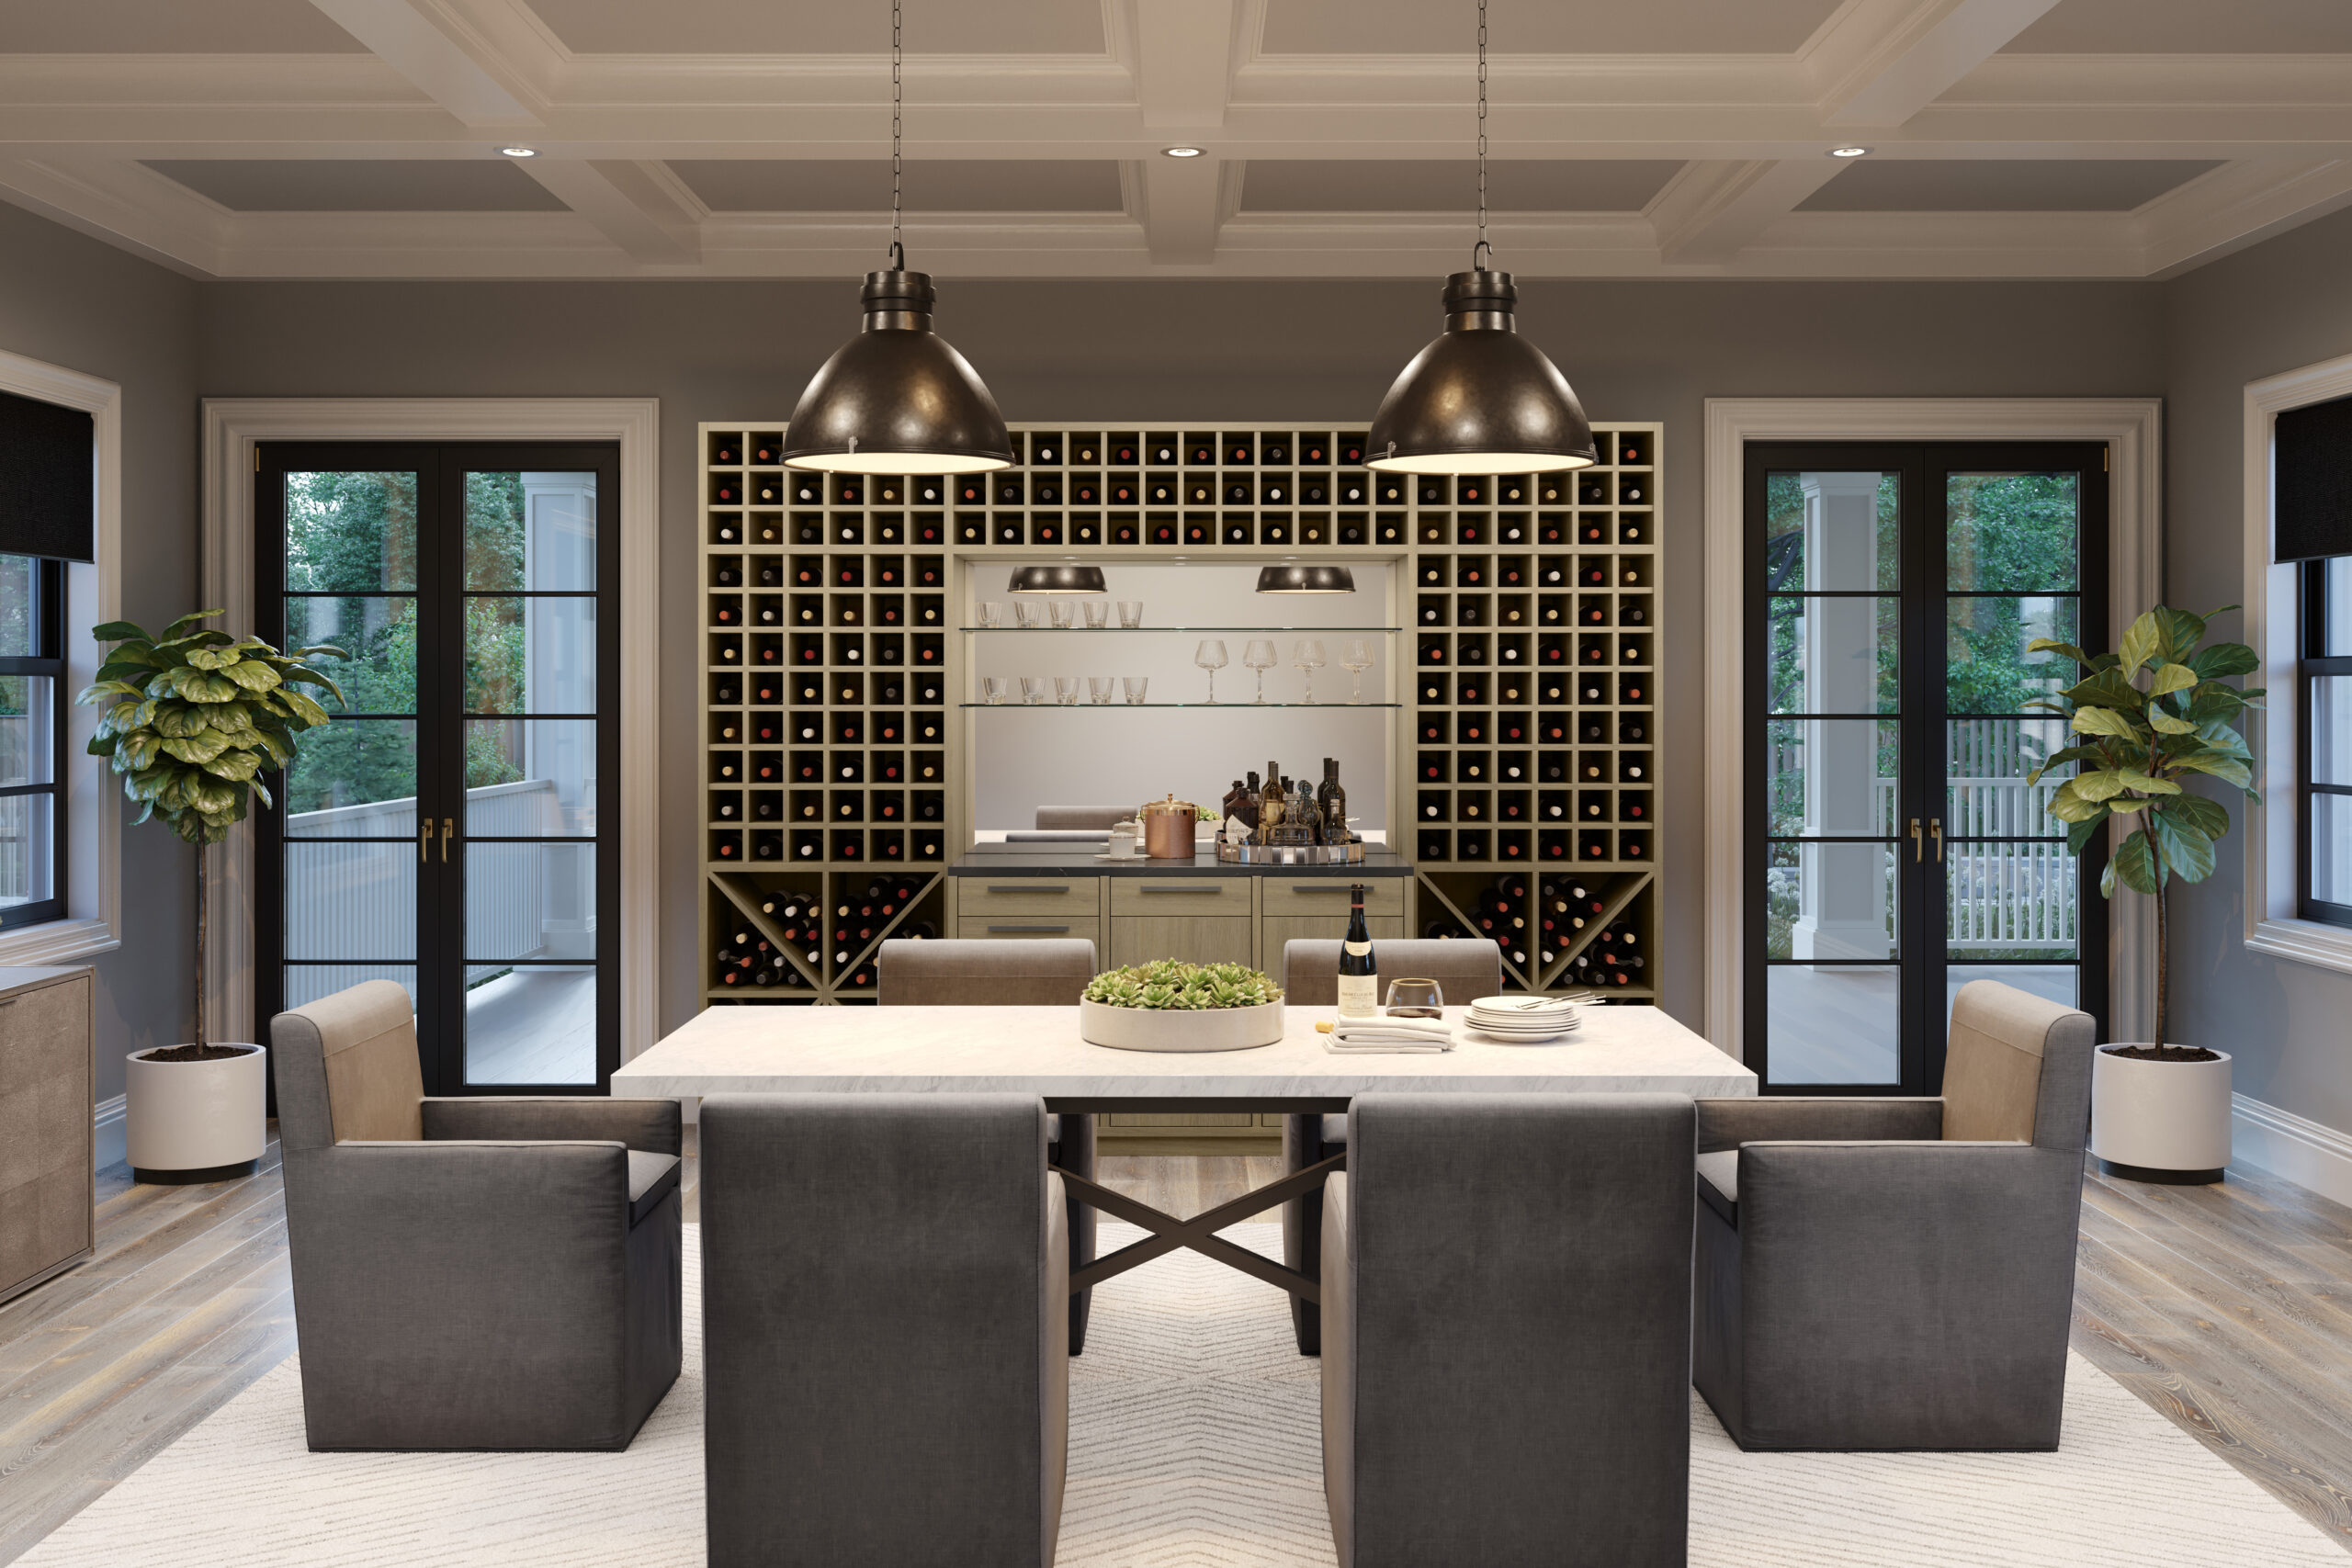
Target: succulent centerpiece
x: 1174, y: 1006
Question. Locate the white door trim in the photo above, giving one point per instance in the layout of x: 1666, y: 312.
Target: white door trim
x: 2132, y: 430
x: 234, y: 426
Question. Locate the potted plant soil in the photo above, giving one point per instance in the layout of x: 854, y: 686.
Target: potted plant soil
x: 1173, y: 1006
x: 2160, y: 1111
x: 193, y: 718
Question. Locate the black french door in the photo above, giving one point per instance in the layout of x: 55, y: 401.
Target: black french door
x: 1896, y: 847
x: 455, y: 828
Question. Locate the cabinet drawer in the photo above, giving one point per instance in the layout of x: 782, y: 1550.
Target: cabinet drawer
x: 999, y: 926
x: 1195, y: 938
x: 1291, y: 896
x: 1075, y: 898
x: 1179, y: 896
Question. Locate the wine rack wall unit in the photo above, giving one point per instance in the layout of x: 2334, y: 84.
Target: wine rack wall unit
x: 1532, y: 613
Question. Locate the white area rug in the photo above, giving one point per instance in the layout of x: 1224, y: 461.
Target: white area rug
x: 1194, y: 1441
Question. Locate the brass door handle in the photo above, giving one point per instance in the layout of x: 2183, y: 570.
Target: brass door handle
x: 1935, y: 826
x: 1918, y: 844
x: 424, y: 839
x: 448, y: 827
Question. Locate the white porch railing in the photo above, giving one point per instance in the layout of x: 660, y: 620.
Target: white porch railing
x: 2020, y: 897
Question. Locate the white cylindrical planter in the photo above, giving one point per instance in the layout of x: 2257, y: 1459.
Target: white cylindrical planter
x: 1180, y: 1029
x: 2165, y: 1122
x: 189, y: 1121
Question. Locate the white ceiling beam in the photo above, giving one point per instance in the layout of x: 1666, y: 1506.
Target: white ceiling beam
x: 1183, y: 80
x: 639, y: 207
x: 1712, y: 208
x: 1880, y: 61
x: 1184, y: 206
x: 429, y: 43
x: 2236, y: 205
x: 126, y: 205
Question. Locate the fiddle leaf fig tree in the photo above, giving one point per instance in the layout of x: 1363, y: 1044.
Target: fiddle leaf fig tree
x: 193, y: 718
x: 2137, y: 740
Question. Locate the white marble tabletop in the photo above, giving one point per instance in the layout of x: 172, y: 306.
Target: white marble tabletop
x: 803, y: 1050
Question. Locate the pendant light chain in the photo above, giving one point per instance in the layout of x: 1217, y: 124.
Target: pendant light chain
x: 898, y: 249
x: 1482, y: 248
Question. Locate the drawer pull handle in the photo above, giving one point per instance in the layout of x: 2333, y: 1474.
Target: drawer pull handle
x: 994, y: 930
x: 1321, y: 888
x: 1195, y: 888
x: 1027, y: 887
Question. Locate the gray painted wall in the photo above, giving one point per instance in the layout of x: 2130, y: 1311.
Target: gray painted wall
x: 2278, y: 306
x: 1219, y: 351
x: 88, y: 306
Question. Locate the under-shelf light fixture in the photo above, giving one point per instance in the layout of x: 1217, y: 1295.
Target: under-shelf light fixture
x: 1292, y: 577
x: 1057, y: 577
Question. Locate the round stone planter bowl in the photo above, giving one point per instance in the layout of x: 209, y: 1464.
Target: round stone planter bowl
x: 1180, y: 1029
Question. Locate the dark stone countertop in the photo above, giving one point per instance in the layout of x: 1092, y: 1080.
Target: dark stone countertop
x: 1078, y: 860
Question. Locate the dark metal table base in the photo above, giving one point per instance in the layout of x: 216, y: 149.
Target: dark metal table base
x: 1169, y: 1233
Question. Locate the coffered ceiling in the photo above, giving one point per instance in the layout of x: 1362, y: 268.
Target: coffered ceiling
x: 750, y: 138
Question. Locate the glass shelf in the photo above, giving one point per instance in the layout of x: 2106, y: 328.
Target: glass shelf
x: 1241, y: 707
x: 1283, y: 631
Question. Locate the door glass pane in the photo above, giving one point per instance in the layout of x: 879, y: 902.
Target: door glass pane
x: 1827, y: 532
x: 19, y: 607
x: 27, y: 859
x: 355, y: 778
x: 1832, y: 777
x: 2335, y: 639
x: 1987, y: 667
x: 28, y: 729
x: 2011, y: 532
x: 1833, y: 655
x: 2011, y: 900
x: 531, y: 530
x: 1835, y: 1023
x: 350, y: 901
x: 1831, y: 901
x: 529, y: 901
x: 378, y: 636
x: 2060, y: 982
x: 530, y: 778
x: 531, y: 1025
x: 2332, y: 729
x: 2332, y: 848
x: 306, y: 983
x: 530, y: 654
x: 1985, y: 764
x: 350, y: 533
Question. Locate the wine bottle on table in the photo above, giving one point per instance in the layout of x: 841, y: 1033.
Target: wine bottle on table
x: 1358, y: 974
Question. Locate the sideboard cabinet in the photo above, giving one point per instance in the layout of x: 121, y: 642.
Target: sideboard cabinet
x: 48, y: 1218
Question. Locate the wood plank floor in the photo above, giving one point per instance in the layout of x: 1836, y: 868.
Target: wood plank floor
x: 2227, y: 1308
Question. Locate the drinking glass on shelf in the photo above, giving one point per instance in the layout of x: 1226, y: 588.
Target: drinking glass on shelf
x: 1065, y: 613
x: 1098, y: 613
x: 1261, y: 656
x: 994, y: 687
x: 1355, y: 659
x: 1099, y: 689
x: 1030, y: 614
x: 991, y: 615
x: 1306, y: 658
x: 1066, y: 690
x: 1415, y: 998
x: 1131, y: 613
x: 1210, y: 656
x: 1032, y: 688
x: 1136, y: 685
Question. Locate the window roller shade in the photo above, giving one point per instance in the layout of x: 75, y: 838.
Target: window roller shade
x: 2311, y: 495
x: 47, y: 488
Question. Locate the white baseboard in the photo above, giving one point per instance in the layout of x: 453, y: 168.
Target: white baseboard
x: 110, y: 1145
x: 2305, y: 1152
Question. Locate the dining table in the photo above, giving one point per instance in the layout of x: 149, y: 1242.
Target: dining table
x: 1039, y: 1051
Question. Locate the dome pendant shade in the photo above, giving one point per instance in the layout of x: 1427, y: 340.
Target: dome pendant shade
x: 1480, y: 399
x: 896, y: 399
x: 1056, y: 578
x: 1289, y: 578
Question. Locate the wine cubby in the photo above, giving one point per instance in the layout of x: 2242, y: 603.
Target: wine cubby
x: 1530, y: 616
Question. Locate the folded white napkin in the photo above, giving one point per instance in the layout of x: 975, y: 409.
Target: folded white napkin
x: 1391, y: 1035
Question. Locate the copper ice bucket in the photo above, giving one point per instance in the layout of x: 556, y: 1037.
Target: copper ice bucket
x: 1168, y: 828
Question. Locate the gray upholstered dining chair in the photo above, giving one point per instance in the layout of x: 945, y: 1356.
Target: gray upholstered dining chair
x: 1084, y: 818
x: 476, y: 1273
x: 1465, y: 969
x: 1506, y: 1377
x: 883, y: 1331
x: 1008, y: 972
x: 1900, y: 1273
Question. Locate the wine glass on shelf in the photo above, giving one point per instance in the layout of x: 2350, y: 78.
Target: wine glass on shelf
x: 1261, y: 656
x: 1210, y: 656
x: 1306, y: 658
x: 1355, y: 659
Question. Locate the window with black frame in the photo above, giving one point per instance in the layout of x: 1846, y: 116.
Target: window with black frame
x: 2325, y: 773
x: 32, y: 740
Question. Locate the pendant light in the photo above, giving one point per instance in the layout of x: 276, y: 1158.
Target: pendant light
x: 1057, y: 578
x: 896, y: 399
x: 1480, y: 399
x: 1292, y: 578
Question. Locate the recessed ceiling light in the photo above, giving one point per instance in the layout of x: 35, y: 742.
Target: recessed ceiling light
x: 1180, y: 152
x: 520, y: 152
x: 1847, y: 152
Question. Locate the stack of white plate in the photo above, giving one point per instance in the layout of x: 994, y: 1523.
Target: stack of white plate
x: 1523, y: 1019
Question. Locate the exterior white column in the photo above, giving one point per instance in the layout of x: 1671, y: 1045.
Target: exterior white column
x: 560, y: 676
x: 1842, y: 904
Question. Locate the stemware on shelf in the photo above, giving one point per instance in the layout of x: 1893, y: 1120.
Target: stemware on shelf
x: 1030, y: 614
x: 1032, y: 688
x: 991, y: 613
x: 994, y: 687
x: 1261, y: 656
x: 1137, y: 686
x: 1098, y: 614
x: 1066, y: 690
x: 1306, y: 658
x: 1099, y: 687
x: 1210, y: 656
x: 1131, y: 613
x: 1355, y: 659
x: 1064, y: 613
